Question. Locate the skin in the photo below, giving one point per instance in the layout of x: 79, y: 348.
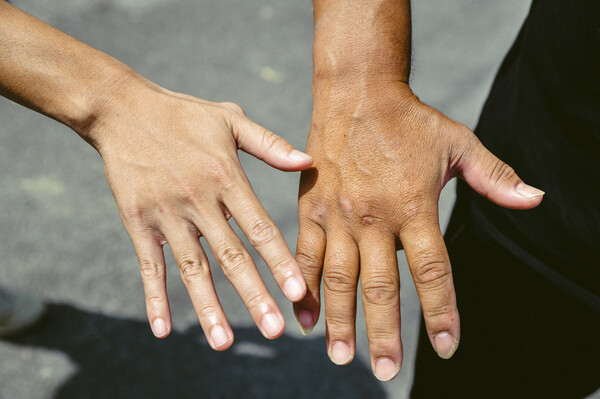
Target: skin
x: 172, y: 165
x: 381, y: 159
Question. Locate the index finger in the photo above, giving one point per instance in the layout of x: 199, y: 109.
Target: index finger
x: 266, y: 238
x: 430, y: 268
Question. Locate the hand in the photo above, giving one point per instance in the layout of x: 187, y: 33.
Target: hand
x: 171, y: 162
x: 381, y: 159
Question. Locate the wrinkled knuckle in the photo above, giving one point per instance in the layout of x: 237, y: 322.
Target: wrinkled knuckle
x: 382, y: 339
x: 381, y: 289
x: 308, y: 261
x: 220, y: 172
x: 501, y: 172
x: 192, y: 268
x: 443, y: 315
x: 337, y: 324
x: 233, y: 260
x: 206, y: 311
x: 133, y: 212
x: 339, y: 280
x: 270, y: 140
x: 150, y: 269
x: 431, y: 271
x: 255, y: 300
x: 369, y: 211
x: 261, y: 232
x: 154, y: 301
x: 317, y: 212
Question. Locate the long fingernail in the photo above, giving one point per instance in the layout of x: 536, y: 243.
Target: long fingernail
x: 271, y: 324
x: 306, y: 322
x: 159, y: 327
x: 219, y: 336
x: 299, y: 156
x: 340, y: 353
x: 529, y: 192
x: 445, y: 345
x: 294, y: 290
x: 385, y: 369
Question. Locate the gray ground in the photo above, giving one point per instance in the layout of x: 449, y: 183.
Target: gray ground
x: 61, y: 238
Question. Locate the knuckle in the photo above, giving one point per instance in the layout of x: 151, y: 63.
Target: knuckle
x: 261, y: 232
x: 151, y: 269
x: 431, y: 271
x: 206, y: 311
x: 192, y: 268
x: 443, y: 314
x: 220, y: 172
x: 339, y: 280
x: 383, y: 338
x: 499, y: 174
x: 380, y: 289
x: 233, y: 260
x: 270, y: 140
x: 155, y: 301
x: 338, y: 325
x: 308, y: 261
x: 233, y: 107
x: 255, y: 300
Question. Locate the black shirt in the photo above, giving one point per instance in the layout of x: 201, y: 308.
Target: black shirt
x: 543, y: 118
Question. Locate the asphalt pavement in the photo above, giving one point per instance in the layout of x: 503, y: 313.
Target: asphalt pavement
x: 61, y: 238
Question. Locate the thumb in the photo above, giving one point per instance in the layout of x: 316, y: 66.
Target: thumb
x: 267, y: 146
x: 497, y: 181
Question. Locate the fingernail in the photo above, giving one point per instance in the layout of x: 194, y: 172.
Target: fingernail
x: 528, y: 192
x: 299, y: 156
x: 271, y: 324
x: 340, y: 353
x: 218, y: 336
x: 385, y: 369
x: 305, y: 319
x: 159, y: 327
x: 445, y: 345
x: 294, y: 290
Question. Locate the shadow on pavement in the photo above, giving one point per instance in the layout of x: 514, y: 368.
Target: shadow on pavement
x: 119, y: 358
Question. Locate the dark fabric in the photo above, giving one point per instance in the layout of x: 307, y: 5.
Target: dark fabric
x: 521, y: 336
x: 528, y: 282
x: 543, y: 118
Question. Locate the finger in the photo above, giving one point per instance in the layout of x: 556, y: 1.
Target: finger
x: 266, y: 238
x: 267, y: 146
x: 430, y: 268
x: 340, y: 278
x: 152, y: 267
x: 310, y: 251
x: 195, y: 272
x: 497, y: 181
x: 380, y: 285
x: 240, y: 270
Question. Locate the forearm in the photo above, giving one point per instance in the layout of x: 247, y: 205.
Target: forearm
x: 362, y: 39
x: 53, y: 73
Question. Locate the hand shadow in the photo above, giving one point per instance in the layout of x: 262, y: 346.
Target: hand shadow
x: 119, y: 358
